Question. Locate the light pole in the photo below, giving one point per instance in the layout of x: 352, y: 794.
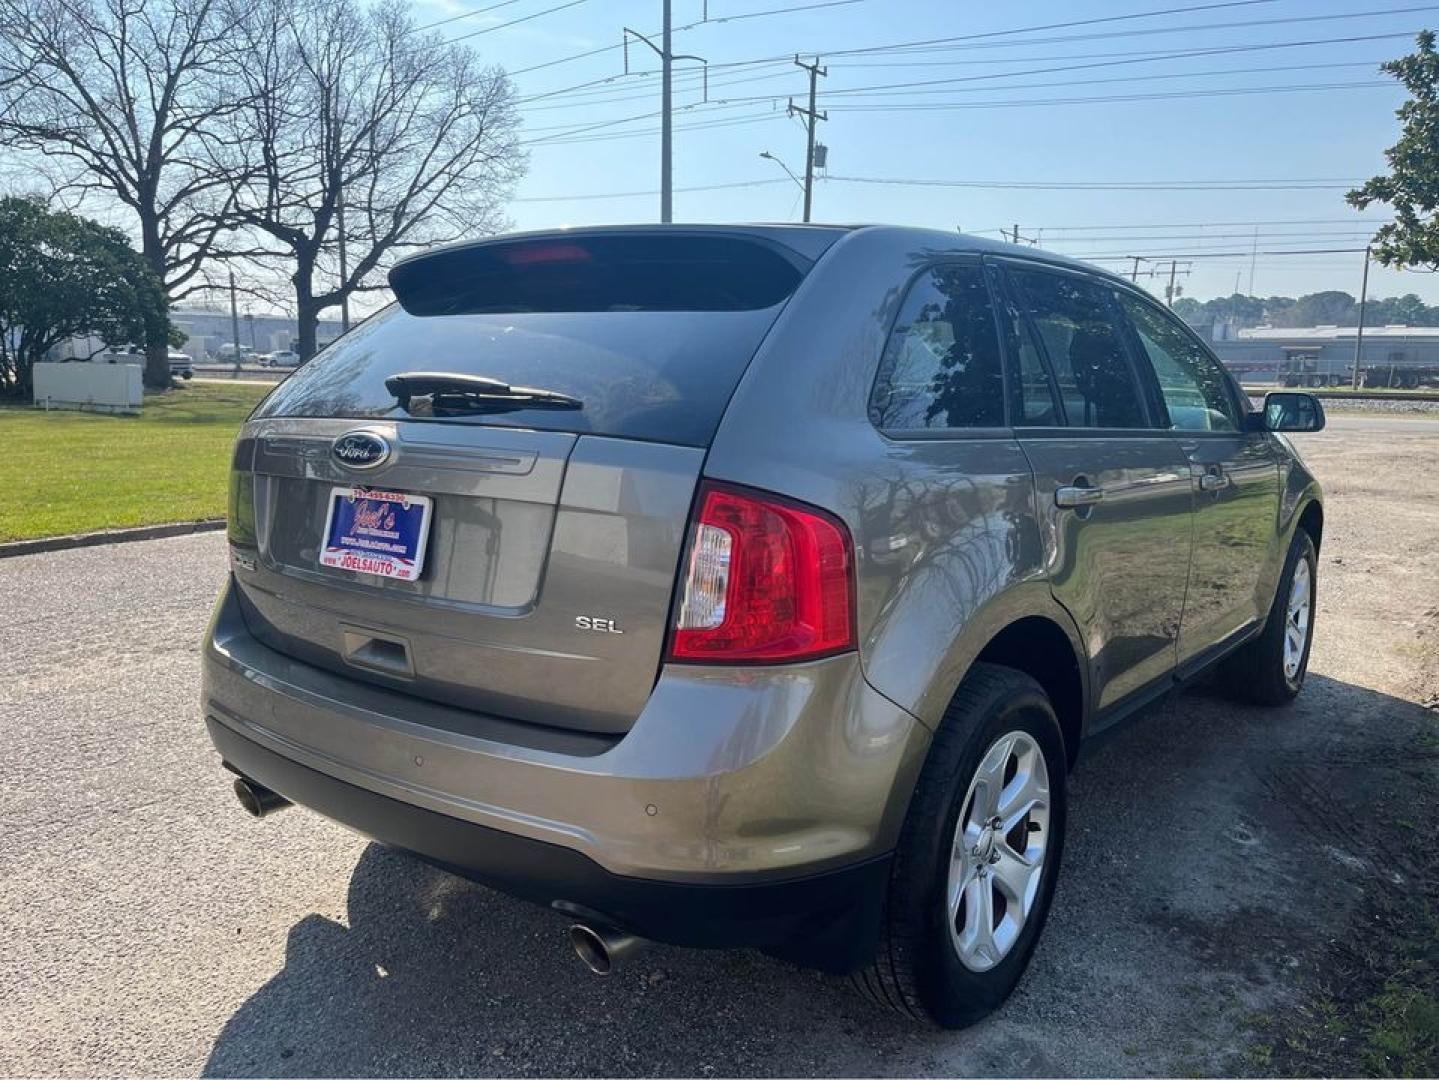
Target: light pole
x: 786, y: 168
x: 667, y: 58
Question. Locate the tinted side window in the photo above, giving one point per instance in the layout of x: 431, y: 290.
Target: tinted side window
x: 1194, y: 388
x: 941, y: 366
x: 1075, y: 322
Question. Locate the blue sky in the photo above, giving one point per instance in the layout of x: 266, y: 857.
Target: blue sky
x: 1308, y: 145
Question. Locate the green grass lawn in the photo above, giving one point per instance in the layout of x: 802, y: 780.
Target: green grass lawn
x: 69, y: 472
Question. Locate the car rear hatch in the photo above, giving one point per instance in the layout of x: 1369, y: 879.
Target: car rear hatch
x: 554, y: 400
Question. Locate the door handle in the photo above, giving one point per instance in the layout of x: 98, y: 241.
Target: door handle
x: 1077, y: 496
x: 1213, y: 481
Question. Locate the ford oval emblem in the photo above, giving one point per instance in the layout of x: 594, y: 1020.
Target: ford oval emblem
x: 361, y: 450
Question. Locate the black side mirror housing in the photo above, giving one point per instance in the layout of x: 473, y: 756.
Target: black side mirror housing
x: 1289, y: 412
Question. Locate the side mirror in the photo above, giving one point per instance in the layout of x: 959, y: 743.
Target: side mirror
x: 1290, y: 412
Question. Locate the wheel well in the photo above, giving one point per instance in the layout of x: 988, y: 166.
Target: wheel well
x: 1312, y: 522
x: 1040, y: 649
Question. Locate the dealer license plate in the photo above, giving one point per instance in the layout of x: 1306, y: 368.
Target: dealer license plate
x: 376, y: 532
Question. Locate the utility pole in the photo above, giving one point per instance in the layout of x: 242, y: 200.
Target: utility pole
x: 344, y: 267
x: 667, y: 180
x: 1173, y: 269
x: 811, y: 117
x: 667, y: 59
x: 234, y: 319
x: 1359, y: 337
x: 1134, y: 272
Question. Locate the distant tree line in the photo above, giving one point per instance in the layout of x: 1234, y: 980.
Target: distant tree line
x: 1330, y: 308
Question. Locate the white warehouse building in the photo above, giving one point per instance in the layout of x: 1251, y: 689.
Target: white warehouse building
x: 1395, y: 356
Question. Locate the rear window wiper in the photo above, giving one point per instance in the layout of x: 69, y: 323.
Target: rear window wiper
x: 443, y: 393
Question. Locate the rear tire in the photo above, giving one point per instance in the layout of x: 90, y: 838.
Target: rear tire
x: 1270, y: 669
x: 998, y: 748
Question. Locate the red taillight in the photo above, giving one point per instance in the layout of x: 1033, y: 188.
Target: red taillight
x: 767, y: 580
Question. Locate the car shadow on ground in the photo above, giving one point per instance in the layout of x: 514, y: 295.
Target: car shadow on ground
x: 435, y: 975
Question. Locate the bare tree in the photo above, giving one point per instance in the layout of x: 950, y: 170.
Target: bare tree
x: 356, y: 129
x: 122, y: 96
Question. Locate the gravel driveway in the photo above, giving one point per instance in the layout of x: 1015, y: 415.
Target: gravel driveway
x: 150, y: 927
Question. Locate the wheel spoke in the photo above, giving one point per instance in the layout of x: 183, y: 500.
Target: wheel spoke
x: 976, y: 939
x: 1293, y: 640
x: 989, y: 781
x: 962, y: 869
x: 1016, y: 877
x: 1026, y: 792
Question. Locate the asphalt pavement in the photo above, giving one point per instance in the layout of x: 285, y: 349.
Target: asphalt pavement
x: 150, y: 927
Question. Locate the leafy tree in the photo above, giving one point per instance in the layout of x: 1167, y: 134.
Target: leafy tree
x: 1190, y: 310
x: 63, y: 276
x: 1330, y: 308
x: 1412, y: 184
x: 1406, y: 310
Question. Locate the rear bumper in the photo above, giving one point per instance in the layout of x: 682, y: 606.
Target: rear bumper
x: 826, y: 920
x: 767, y: 789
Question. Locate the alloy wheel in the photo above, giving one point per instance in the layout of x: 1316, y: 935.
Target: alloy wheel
x: 997, y: 856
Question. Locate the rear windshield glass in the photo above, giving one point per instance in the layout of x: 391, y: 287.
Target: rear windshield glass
x: 651, y: 338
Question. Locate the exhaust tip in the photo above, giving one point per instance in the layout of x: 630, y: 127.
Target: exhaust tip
x: 591, y: 948
x: 258, y: 801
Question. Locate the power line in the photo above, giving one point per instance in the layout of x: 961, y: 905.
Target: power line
x: 609, y: 94
x: 1102, y: 99
x: 1194, y: 225
x: 908, y: 89
x: 562, y: 135
x: 906, y: 45
x: 561, y: 140
x: 1082, y: 185
x: 516, y: 22
x: 1221, y: 254
x: 1089, y: 65
x: 973, y: 61
x: 792, y: 9
x: 958, y: 43
x: 1347, y: 234
x: 465, y: 15
x: 648, y: 194
x: 1304, y: 184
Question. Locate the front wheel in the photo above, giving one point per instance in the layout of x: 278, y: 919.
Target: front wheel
x: 975, y: 868
x: 1270, y: 669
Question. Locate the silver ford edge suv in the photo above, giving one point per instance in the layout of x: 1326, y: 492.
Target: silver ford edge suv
x: 750, y: 586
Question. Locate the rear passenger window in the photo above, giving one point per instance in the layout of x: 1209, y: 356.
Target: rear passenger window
x: 1075, y: 322
x: 941, y: 366
x: 1193, y: 385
